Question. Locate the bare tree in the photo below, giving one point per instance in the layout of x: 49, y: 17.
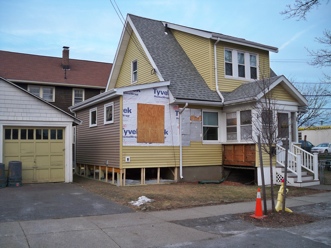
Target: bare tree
x: 300, y: 8
x: 269, y: 126
x: 315, y: 113
x: 322, y: 57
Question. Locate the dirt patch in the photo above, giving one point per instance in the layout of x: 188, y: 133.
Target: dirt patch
x: 180, y: 195
x: 279, y: 219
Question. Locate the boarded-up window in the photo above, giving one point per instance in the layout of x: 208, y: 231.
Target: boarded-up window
x: 150, y: 123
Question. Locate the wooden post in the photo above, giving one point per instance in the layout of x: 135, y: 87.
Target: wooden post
x: 158, y: 175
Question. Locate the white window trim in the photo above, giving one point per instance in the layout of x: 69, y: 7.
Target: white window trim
x: 111, y: 104
x: 218, y: 141
x: 41, y: 91
x: 132, y: 72
x: 96, y: 117
x: 73, y: 94
x: 235, y: 64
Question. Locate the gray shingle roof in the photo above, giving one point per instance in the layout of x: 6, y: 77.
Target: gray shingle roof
x: 248, y: 91
x: 172, y: 61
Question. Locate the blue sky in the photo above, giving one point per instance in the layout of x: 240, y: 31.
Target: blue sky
x: 92, y: 29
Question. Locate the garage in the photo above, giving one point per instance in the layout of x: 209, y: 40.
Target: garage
x: 36, y: 133
x: 41, y: 151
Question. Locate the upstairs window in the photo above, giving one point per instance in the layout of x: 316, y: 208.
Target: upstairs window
x: 44, y: 92
x: 93, y: 117
x: 134, y: 71
x: 253, y: 65
x: 210, y: 125
x: 240, y: 64
x: 228, y: 62
x: 78, y: 96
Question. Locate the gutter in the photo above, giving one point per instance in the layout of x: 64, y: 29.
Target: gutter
x: 216, y: 75
x: 195, y: 102
x: 180, y: 142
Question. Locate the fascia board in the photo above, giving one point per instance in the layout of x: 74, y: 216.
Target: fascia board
x: 119, y: 56
x: 145, y: 50
x: 216, y: 36
x: 289, y: 87
x: 193, y: 31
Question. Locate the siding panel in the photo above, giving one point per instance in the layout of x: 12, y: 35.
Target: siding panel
x: 135, y: 52
x: 98, y: 144
x: 197, y: 154
x: 200, y: 52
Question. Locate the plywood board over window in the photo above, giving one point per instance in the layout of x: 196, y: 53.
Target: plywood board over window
x: 150, y: 123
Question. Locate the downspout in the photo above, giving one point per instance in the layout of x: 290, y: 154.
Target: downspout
x: 180, y: 142
x: 216, y: 75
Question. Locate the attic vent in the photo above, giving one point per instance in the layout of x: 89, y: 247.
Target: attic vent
x: 65, y: 58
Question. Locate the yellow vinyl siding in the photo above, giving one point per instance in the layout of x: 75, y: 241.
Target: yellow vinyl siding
x: 197, y: 154
x: 145, y: 69
x: 279, y: 93
x: 229, y: 84
x: 200, y: 52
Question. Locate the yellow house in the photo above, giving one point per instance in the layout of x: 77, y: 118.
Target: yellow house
x: 180, y: 105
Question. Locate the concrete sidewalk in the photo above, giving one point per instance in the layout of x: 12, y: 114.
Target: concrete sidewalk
x: 157, y: 229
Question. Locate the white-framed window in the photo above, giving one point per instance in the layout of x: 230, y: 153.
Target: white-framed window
x: 231, y: 126
x: 93, y: 117
x: 228, y: 62
x: 210, y: 125
x: 134, y: 71
x: 246, y: 125
x: 240, y: 64
x: 108, y: 113
x: 45, y: 92
x: 78, y: 95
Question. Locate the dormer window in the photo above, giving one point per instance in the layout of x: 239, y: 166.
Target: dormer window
x: 134, y: 71
x: 240, y: 64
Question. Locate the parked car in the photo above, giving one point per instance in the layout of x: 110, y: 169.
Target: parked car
x: 322, y: 148
x: 306, y: 145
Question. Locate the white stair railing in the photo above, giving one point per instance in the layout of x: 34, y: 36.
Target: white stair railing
x: 309, y: 161
x: 298, y: 159
x: 293, y: 161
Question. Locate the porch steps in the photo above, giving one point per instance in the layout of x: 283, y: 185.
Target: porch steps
x: 307, y: 180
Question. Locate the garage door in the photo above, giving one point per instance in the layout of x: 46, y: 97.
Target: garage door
x: 41, y: 151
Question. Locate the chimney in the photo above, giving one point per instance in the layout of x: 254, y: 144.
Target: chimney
x: 65, y: 58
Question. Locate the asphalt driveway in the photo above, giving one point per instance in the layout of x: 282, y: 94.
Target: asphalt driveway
x: 53, y: 201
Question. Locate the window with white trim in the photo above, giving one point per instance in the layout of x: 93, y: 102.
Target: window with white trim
x: 93, y: 117
x: 108, y: 113
x: 231, y: 126
x: 240, y: 64
x: 45, y: 92
x: 134, y: 71
x: 246, y: 125
x: 78, y: 95
x: 210, y: 125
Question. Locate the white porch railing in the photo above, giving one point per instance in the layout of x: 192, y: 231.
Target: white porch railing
x: 298, y: 160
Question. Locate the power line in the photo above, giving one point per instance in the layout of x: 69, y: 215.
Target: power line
x: 132, y: 37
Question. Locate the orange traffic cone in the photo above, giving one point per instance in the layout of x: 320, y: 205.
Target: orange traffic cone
x: 258, y: 206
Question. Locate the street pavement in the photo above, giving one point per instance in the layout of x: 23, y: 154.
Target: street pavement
x: 106, y: 224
